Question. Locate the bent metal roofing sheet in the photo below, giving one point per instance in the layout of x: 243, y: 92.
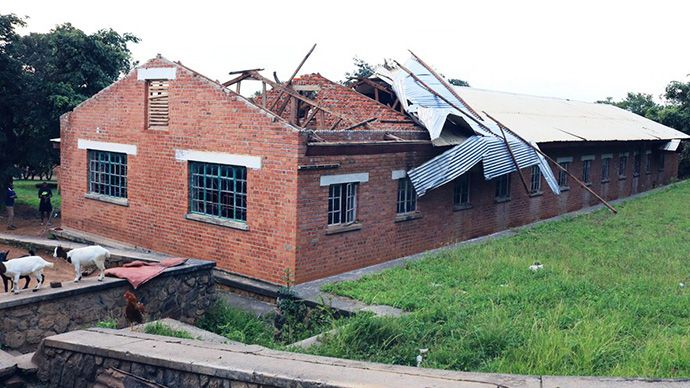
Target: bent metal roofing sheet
x: 544, y: 119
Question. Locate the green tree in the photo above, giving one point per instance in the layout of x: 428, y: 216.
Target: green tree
x: 362, y: 70
x: 458, y: 82
x: 53, y: 73
x: 11, y: 86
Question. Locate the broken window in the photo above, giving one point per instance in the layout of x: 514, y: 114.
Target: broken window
x: 535, y: 181
x: 461, y: 194
x: 587, y: 171
x: 407, y: 197
x: 637, y: 163
x: 605, y: 163
x: 108, y: 173
x: 562, y: 175
x: 342, y: 203
x: 157, y: 104
x: 502, y: 187
x: 622, y: 165
x: 218, y: 190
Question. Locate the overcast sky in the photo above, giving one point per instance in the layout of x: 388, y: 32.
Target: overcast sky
x: 583, y: 50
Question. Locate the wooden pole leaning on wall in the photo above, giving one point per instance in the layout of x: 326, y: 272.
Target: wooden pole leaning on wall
x: 556, y: 164
x: 435, y: 93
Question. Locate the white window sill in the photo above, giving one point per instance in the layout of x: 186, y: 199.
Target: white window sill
x: 538, y: 193
x: 408, y: 216
x: 216, y: 221
x: 335, y: 229
x: 108, y: 199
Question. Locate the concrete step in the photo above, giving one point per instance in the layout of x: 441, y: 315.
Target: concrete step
x: 8, y: 364
x: 25, y: 365
x: 246, y: 303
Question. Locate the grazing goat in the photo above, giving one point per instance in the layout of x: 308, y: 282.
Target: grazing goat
x: 16, y: 268
x: 83, y: 256
x: 7, y: 281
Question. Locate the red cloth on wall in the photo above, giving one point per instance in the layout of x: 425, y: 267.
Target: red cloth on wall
x: 139, y: 272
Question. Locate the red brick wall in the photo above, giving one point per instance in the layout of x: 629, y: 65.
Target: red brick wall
x: 287, y: 208
x: 203, y: 117
x: 381, y: 238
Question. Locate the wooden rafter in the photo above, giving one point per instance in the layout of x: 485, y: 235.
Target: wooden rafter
x: 294, y: 94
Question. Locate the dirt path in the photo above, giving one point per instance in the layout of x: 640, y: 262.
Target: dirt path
x: 28, y: 223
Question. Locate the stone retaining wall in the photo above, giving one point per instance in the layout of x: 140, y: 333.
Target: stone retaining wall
x: 75, y: 360
x: 182, y: 293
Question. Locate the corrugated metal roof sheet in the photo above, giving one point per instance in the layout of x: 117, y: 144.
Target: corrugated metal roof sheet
x: 545, y: 119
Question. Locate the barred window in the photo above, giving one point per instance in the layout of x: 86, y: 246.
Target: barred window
x: 218, y: 190
x: 605, y: 162
x: 461, y: 194
x: 562, y: 175
x: 535, y: 181
x: 157, y: 103
x: 108, y: 173
x: 342, y: 203
x: 502, y: 186
x: 407, y: 197
x: 587, y: 171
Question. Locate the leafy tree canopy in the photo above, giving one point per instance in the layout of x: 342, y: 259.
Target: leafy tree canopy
x: 364, y: 70
x: 51, y: 74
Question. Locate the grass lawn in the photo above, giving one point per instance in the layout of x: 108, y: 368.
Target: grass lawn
x: 27, y: 193
x: 609, y: 301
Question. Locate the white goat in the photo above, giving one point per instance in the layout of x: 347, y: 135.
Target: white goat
x: 82, y: 256
x: 16, y: 268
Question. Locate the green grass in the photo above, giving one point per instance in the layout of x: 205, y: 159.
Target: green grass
x: 238, y: 325
x: 608, y: 303
x: 109, y: 324
x: 27, y: 194
x: 159, y: 328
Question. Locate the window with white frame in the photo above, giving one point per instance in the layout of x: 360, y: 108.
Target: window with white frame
x: 108, y: 173
x: 605, y: 166
x: 342, y: 203
x: 218, y: 190
x: 407, y: 197
x: 461, y: 193
x: 535, y: 180
x: 502, y: 187
x: 622, y: 165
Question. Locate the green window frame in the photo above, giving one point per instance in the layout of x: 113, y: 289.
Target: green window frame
x: 108, y: 173
x: 218, y: 190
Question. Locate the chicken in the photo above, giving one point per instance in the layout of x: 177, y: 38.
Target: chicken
x: 134, y: 311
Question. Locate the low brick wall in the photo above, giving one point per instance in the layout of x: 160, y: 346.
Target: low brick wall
x: 182, y: 293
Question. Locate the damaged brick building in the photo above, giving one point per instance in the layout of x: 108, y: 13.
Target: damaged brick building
x: 320, y: 178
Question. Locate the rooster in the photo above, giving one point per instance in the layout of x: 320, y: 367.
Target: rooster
x: 134, y: 311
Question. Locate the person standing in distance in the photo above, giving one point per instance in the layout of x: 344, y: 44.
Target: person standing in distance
x: 45, y: 207
x: 10, y: 196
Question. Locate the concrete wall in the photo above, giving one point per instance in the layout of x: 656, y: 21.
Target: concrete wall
x: 183, y: 293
